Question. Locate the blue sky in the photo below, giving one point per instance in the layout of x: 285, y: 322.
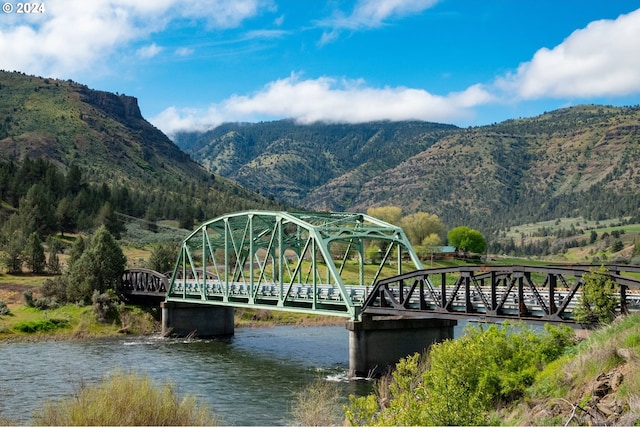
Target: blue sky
x: 193, y: 65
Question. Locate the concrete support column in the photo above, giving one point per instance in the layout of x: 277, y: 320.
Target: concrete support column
x: 377, y: 344
x: 192, y: 319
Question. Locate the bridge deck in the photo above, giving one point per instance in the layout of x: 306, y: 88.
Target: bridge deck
x: 455, y: 293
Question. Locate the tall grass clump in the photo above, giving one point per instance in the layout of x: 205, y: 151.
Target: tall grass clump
x: 126, y: 399
x: 317, y: 405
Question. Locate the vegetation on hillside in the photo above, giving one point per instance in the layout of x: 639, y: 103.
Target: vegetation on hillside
x: 572, y: 240
x: 88, y: 148
x: 288, y: 161
x: 596, y: 384
x: 578, y: 161
x: 459, y: 382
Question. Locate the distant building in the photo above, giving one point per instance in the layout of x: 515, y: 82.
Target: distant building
x: 444, y: 252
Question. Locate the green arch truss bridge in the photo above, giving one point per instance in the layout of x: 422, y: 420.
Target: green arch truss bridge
x: 293, y: 261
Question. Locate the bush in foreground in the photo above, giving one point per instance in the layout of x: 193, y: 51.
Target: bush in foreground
x: 125, y: 399
x: 462, y: 380
x: 317, y: 405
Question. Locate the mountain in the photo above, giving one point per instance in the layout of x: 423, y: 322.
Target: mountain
x: 289, y: 161
x: 106, y: 136
x: 582, y: 160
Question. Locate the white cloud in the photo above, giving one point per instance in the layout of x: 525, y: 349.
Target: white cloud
x: 172, y: 120
x: 600, y: 60
x: 370, y: 14
x: 150, y: 51
x: 329, y: 100
x: 184, y: 51
x: 77, y: 35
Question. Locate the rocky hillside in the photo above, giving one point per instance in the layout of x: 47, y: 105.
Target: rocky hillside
x: 106, y: 136
x: 598, y: 384
x: 579, y: 161
x: 288, y: 161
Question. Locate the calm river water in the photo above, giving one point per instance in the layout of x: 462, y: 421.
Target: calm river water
x: 247, y: 380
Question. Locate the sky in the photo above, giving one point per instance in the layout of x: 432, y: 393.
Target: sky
x: 196, y: 64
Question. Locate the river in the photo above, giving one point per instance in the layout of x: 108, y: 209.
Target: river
x: 247, y: 380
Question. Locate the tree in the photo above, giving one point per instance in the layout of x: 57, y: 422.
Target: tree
x: 108, y: 218
x: 598, y: 301
x: 99, y: 266
x: 36, y: 213
x: 76, y: 251
x: 73, y: 180
x: 34, y: 254
x: 373, y: 252
x: 163, y: 256
x: 13, y: 244
x: 53, y: 262
x: 66, y: 215
x: 390, y: 214
x: 186, y: 217
x: 428, y: 246
x: 467, y: 239
x: 419, y: 225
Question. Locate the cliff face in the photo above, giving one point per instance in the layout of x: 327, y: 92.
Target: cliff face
x: 122, y: 107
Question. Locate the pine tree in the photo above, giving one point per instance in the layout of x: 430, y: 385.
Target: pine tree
x: 97, y: 269
x: 34, y: 254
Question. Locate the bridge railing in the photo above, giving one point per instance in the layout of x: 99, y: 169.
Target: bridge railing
x: 324, y: 298
x: 141, y: 281
x: 547, y: 293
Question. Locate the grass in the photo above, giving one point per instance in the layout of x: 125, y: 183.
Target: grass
x: 597, y: 252
x: 126, y: 399
x: 566, y: 223
x: 257, y: 317
x: 317, y: 405
x: 70, y: 321
x: 25, y: 279
x: 569, y: 382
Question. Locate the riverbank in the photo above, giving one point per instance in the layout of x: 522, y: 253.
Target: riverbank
x: 78, y: 322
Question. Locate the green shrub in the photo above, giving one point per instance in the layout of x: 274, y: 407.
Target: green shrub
x: 55, y: 288
x: 4, y: 308
x: 40, y: 325
x: 106, y: 306
x: 27, y: 296
x: 462, y: 380
x: 125, y: 399
x: 42, y: 303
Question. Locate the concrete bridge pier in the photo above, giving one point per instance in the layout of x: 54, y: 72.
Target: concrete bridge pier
x: 378, y: 343
x: 202, y: 320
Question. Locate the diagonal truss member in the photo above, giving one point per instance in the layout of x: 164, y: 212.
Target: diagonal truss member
x: 286, y: 260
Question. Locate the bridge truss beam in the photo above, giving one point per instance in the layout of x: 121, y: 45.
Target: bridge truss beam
x: 493, y: 293
x: 285, y: 260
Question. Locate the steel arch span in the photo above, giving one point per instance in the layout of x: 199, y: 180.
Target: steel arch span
x: 294, y: 261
